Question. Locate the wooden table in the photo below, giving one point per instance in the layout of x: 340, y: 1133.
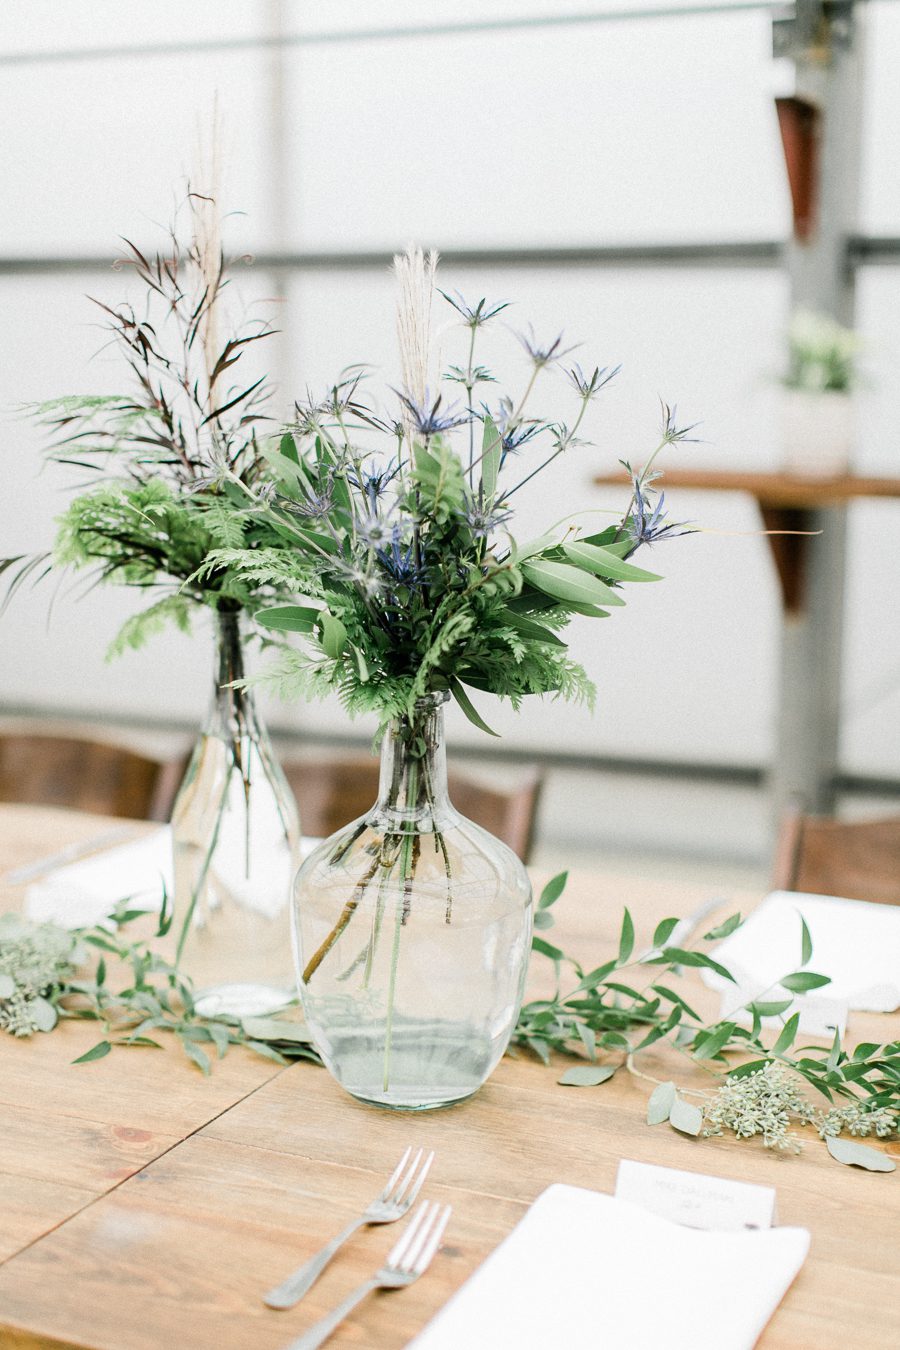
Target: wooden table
x: 806, y: 517
x: 144, y: 1206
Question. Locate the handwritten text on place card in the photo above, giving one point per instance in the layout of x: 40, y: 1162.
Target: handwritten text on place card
x: 695, y: 1200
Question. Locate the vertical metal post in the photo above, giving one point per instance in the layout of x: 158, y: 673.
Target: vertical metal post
x: 821, y: 280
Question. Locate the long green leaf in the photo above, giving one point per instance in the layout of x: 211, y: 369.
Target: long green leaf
x: 469, y: 708
x: 565, y: 582
x: 288, y: 618
x: 606, y: 564
x: 491, y: 452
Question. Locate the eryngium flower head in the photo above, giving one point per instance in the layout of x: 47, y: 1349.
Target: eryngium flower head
x: 589, y: 386
x: 649, y: 522
x: 473, y: 315
x: 427, y: 419
x: 546, y: 354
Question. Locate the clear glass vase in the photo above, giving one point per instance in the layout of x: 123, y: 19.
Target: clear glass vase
x: 235, y: 839
x: 412, y: 931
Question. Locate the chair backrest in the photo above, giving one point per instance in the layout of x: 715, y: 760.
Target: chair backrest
x: 332, y: 792
x: 86, y: 775
x: 857, y: 859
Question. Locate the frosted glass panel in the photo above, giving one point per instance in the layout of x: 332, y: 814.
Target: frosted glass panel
x: 620, y: 132
x: 103, y: 148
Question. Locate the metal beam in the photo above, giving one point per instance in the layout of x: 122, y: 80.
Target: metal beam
x: 349, y: 36
x: 810, y: 679
x: 749, y: 253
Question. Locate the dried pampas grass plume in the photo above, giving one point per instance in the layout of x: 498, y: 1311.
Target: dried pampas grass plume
x: 415, y: 290
x: 206, y: 211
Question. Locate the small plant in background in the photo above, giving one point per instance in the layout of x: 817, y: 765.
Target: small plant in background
x: 822, y: 355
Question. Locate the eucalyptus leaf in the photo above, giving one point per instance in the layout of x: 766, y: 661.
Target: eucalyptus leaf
x: 850, y: 1153
x: 288, y: 618
x: 806, y: 946
x: 660, y: 1104
x: 565, y: 582
x: 685, y: 1117
x: 606, y: 564
x: 553, y: 890
x: 275, y: 1029
x: 802, y: 980
x: 491, y: 454
x: 587, y: 1075
x: 7, y: 986
x: 98, y: 1051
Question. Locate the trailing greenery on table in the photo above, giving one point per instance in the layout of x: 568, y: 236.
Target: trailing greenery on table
x: 605, y: 1018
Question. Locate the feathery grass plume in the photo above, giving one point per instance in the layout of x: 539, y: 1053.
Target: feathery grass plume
x: 206, y: 211
x: 415, y: 274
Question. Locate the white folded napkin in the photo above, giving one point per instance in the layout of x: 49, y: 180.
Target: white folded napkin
x: 85, y: 892
x: 855, y: 943
x: 583, y: 1271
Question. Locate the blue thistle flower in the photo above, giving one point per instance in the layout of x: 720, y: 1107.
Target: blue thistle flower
x: 543, y: 355
x: 588, y: 386
x: 476, y: 315
x: 428, y: 421
x: 649, y: 522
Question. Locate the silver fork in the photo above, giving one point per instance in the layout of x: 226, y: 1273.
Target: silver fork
x: 409, y: 1259
x: 398, y: 1196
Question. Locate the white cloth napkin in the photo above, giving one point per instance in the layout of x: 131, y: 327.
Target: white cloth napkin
x: 583, y: 1271
x: 84, y: 892
x: 856, y: 943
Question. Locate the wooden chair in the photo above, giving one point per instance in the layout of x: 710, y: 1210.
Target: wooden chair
x: 331, y: 792
x: 87, y: 775
x: 857, y: 859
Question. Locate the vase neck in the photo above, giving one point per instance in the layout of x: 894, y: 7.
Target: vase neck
x: 232, y: 711
x: 413, y: 780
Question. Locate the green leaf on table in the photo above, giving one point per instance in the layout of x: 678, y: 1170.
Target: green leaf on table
x: 588, y: 1039
x: 662, y: 1099
x: 725, y: 929
x: 850, y: 1153
x: 196, y: 1053
x: 626, y: 938
x: 565, y: 582
x: 7, y: 986
x: 682, y: 956
x: 771, y: 1008
x: 685, y: 1118
x: 44, y: 1014
x: 276, y: 1029
x: 547, y: 949
x: 806, y: 947
x: 664, y: 931
x: 553, y: 890
x: 835, y: 1052
x: 788, y: 1032
x: 98, y: 1051
x: 544, y: 919
x: 802, y: 980
x: 266, y: 1051
x: 709, y: 1045
x: 587, y: 1075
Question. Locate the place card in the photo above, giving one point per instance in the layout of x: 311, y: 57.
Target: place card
x: 694, y: 1199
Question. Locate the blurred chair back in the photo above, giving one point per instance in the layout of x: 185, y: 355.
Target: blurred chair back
x: 87, y: 776
x: 332, y: 792
x: 857, y: 859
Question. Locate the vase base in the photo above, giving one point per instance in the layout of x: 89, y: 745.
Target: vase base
x: 241, y: 1000
x: 413, y: 1108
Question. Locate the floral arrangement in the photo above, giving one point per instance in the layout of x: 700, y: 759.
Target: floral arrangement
x: 822, y: 354
x: 397, y: 527
x: 167, y: 457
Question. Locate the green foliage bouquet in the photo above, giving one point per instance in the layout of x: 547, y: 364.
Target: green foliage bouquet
x: 168, y: 459
x: 395, y: 530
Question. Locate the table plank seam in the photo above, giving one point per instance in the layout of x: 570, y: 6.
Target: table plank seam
x: 137, y: 1172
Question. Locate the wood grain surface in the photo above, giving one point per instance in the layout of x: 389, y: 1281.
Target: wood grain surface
x: 142, y: 1206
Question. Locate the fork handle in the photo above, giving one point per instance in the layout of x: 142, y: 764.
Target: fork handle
x: 291, y: 1290
x: 318, y: 1334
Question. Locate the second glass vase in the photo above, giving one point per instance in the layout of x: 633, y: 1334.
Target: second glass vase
x: 235, y: 837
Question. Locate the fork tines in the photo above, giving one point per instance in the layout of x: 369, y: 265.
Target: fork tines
x: 404, y: 1185
x: 420, y: 1239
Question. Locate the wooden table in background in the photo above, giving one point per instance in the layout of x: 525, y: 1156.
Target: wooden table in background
x: 807, y: 518
x: 143, y: 1206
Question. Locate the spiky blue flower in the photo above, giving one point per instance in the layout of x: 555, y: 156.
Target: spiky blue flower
x: 589, y: 386
x: 546, y: 354
x: 428, y: 420
x: 648, y: 521
x: 474, y: 315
